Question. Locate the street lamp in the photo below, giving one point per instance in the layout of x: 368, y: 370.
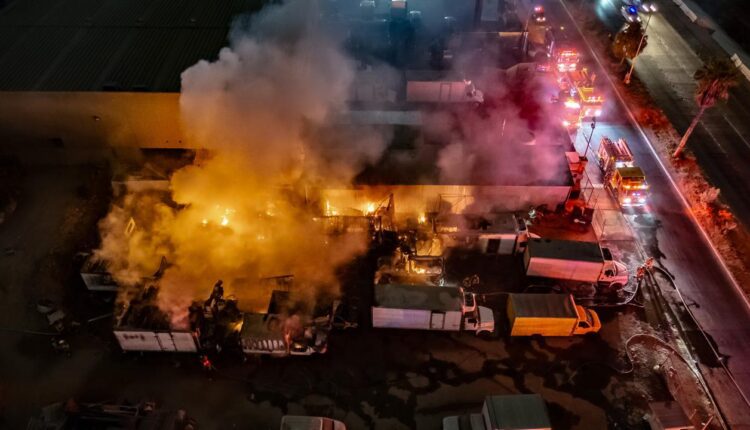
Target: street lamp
x: 588, y: 140
x: 638, y: 51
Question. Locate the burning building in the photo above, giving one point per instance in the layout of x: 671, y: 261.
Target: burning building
x: 266, y: 109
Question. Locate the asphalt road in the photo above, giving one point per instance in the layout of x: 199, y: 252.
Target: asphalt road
x: 722, y: 141
x: 666, y: 230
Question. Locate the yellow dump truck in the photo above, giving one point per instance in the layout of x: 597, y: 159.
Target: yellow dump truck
x: 549, y: 315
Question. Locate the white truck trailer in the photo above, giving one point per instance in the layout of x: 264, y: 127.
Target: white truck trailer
x: 581, y: 268
x: 427, y: 307
x: 428, y: 87
x: 507, y: 412
x: 549, y: 315
x: 141, y: 326
x: 495, y: 233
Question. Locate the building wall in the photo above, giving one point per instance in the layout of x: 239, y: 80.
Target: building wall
x: 79, y: 124
x: 417, y: 199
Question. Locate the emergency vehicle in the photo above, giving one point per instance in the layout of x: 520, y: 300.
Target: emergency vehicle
x: 622, y: 177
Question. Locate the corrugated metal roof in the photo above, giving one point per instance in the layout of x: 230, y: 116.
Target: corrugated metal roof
x: 94, y: 45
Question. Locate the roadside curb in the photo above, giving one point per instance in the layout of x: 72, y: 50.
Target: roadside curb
x: 669, y: 175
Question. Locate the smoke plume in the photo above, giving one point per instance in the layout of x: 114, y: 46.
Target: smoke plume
x: 261, y: 110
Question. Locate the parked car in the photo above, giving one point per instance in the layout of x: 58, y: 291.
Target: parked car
x: 644, y: 6
x: 630, y: 13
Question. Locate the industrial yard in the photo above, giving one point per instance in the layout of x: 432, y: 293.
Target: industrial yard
x: 376, y: 214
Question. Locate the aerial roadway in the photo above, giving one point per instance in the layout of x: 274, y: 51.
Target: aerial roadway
x: 665, y: 227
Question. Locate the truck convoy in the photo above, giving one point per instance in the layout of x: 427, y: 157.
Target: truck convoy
x: 426, y: 307
x: 549, y: 315
x: 581, y: 99
x: 622, y: 177
x: 580, y: 268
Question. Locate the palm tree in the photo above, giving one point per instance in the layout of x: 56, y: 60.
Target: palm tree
x: 714, y: 78
x: 627, y: 41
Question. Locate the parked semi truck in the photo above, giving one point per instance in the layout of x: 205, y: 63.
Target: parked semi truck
x: 622, y: 177
x: 427, y: 307
x: 581, y: 268
x: 549, y: 315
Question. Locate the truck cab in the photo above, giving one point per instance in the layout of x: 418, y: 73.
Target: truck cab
x: 588, y: 321
x: 481, y: 320
x: 629, y: 186
x: 614, y: 273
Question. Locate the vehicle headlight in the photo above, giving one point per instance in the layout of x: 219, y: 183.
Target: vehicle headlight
x: 627, y: 200
x: 653, y: 8
x: 597, y: 112
x: 641, y: 200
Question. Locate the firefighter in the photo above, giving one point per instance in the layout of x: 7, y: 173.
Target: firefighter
x: 649, y: 264
x: 206, y: 363
x: 640, y: 274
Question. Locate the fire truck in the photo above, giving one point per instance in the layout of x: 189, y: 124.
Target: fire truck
x: 622, y: 177
x: 580, y: 97
x: 561, y: 50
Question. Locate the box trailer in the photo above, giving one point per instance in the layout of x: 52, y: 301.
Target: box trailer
x: 420, y: 307
x: 494, y: 233
x: 156, y: 341
x: 549, y: 315
x: 574, y: 262
x: 420, y: 90
x: 506, y: 412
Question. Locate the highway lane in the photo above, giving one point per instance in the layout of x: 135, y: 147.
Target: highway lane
x: 670, y: 234
x: 721, y: 143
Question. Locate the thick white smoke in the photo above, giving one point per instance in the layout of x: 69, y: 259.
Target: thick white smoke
x: 261, y: 110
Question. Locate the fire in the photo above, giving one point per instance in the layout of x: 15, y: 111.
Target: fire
x: 330, y: 211
x: 422, y: 218
x: 370, y: 208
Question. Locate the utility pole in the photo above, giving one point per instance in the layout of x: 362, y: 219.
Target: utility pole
x: 591, y: 136
x: 638, y: 51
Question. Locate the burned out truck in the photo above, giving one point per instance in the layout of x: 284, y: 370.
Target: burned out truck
x: 290, y: 326
x: 140, y: 324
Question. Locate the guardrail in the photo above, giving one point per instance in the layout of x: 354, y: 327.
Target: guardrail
x: 686, y: 10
